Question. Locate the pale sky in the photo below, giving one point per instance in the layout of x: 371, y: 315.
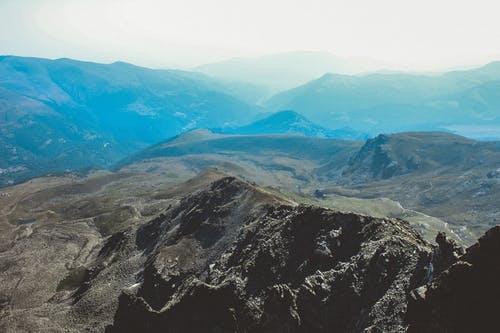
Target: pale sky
x: 410, y: 35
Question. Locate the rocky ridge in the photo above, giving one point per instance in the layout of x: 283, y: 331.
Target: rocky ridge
x: 212, y: 266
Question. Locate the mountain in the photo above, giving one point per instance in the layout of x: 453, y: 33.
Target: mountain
x: 63, y: 114
x: 439, y: 174
x: 70, y: 247
x: 388, y: 156
x: 290, y: 122
x: 269, y: 267
x: 396, y: 102
x: 286, y: 70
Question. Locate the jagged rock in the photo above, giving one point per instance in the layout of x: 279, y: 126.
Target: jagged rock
x: 373, y: 160
x: 463, y: 298
x: 233, y: 258
x: 446, y: 253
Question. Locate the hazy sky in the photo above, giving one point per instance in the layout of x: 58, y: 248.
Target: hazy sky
x: 414, y: 35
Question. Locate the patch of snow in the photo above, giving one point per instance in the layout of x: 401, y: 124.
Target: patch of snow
x: 13, y: 169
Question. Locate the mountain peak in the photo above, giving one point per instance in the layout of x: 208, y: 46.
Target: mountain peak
x: 287, y: 115
x: 291, y: 122
x: 242, y: 245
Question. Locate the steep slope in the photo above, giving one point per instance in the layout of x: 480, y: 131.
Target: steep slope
x: 465, y: 297
x: 395, y: 102
x: 65, y: 114
x: 68, y: 246
x: 290, y: 122
x: 232, y: 258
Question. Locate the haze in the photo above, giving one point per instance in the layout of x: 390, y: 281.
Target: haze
x: 408, y: 35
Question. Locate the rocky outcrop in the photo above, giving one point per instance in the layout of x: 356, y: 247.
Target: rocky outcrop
x: 445, y: 254
x: 233, y: 258
x: 463, y: 298
x: 373, y: 160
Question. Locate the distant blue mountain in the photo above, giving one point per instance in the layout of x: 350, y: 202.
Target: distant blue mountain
x: 395, y: 102
x: 290, y: 122
x: 286, y: 70
x: 65, y: 114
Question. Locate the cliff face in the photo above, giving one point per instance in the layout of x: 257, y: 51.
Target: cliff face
x: 466, y: 296
x: 234, y: 258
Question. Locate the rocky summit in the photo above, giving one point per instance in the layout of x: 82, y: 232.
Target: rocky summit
x: 232, y: 258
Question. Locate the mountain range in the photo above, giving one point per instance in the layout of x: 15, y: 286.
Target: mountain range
x: 64, y: 115
x: 287, y: 70
x: 396, y: 102
x: 59, y: 115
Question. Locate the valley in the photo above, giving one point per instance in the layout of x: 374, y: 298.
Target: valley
x: 338, y: 173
